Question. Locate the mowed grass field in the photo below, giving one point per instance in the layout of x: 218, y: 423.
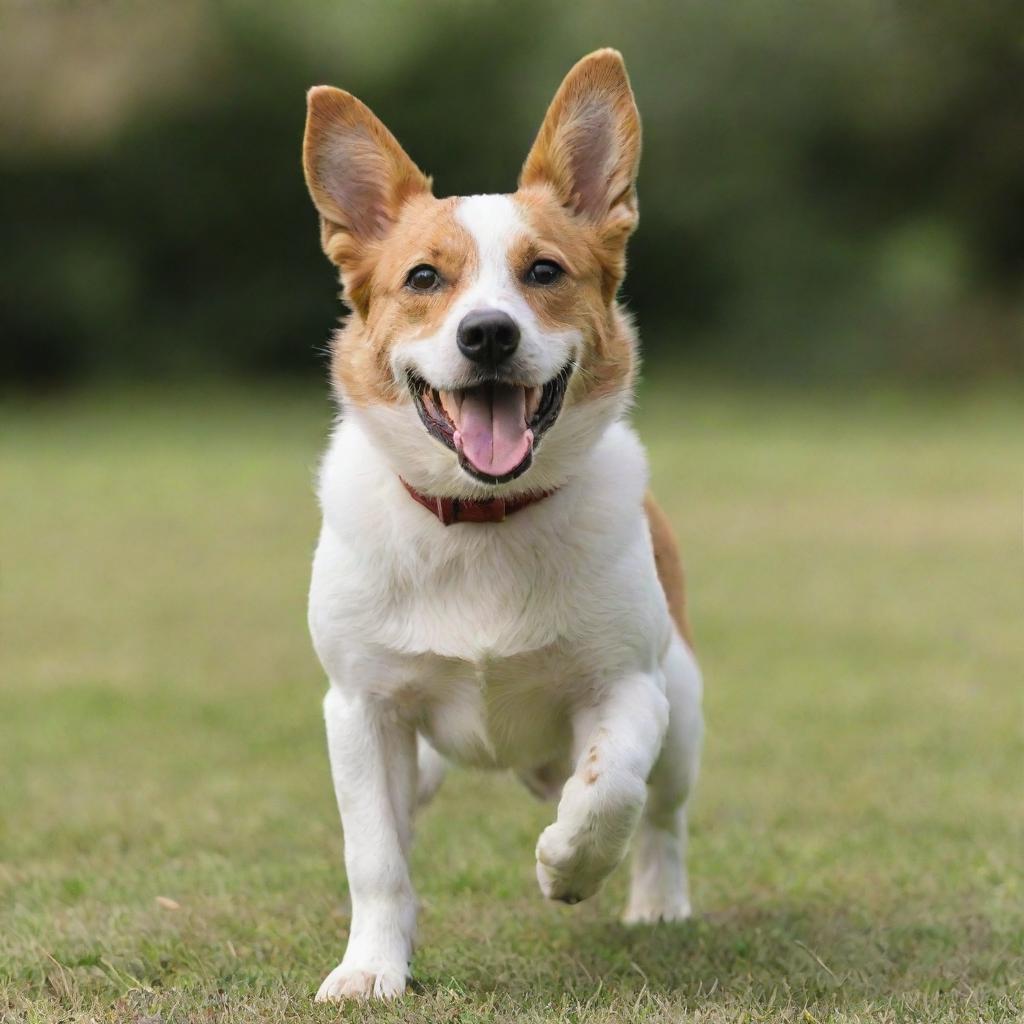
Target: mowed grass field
x: 169, y: 845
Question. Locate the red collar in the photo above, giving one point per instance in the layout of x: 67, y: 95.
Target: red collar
x: 466, y: 510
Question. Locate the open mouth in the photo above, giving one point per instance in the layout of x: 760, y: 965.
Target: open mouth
x: 493, y: 427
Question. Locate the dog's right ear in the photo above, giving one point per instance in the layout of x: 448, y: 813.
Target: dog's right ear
x: 357, y: 173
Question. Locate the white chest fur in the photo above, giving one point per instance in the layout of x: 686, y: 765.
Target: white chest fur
x: 486, y: 633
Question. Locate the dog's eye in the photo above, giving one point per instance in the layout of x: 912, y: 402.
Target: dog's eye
x: 544, y: 272
x: 423, y: 278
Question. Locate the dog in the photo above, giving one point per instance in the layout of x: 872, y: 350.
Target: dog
x: 493, y: 585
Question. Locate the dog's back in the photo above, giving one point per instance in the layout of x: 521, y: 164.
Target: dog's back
x: 669, y: 564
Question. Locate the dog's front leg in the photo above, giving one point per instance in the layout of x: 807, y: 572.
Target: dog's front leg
x: 618, y: 741
x: 373, y: 762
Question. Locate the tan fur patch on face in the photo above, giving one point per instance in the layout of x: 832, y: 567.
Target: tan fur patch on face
x: 584, y: 298
x: 387, y: 311
x: 427, y: 231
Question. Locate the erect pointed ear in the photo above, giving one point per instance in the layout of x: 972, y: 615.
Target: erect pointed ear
x: 357, y: 173
x: 588, y: 148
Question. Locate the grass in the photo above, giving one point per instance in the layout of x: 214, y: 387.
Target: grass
x: 856, y: 576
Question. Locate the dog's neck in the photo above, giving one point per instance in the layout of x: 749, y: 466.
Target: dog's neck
x: 468, y: 510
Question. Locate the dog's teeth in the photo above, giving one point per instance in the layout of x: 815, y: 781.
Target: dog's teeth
x: 532, y: 402
x: 451, y: 402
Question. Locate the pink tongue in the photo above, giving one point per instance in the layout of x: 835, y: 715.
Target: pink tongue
x: 492, y: 432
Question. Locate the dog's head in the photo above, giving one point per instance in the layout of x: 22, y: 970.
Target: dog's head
x: 485, y: 344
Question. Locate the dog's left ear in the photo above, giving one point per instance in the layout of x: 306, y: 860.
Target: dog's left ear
x: 588, y: 148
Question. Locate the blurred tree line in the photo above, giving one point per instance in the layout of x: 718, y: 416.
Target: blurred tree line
x: 828, y: 189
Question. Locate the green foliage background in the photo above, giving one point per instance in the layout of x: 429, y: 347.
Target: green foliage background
x: 829, y: 189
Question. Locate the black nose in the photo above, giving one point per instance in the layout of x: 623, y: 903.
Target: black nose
x: 488, y: 337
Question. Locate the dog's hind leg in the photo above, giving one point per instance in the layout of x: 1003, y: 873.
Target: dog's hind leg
x: 659, y: 887
x: 431, y: 770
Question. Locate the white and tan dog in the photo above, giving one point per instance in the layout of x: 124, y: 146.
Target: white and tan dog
x: 492, y: 584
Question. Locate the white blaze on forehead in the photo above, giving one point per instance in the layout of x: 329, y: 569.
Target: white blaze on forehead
x: 494, y: 222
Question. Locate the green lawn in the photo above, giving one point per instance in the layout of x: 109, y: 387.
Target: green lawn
x: 857, y: 587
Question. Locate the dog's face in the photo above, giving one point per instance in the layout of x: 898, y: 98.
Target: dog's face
x: 485, y: 341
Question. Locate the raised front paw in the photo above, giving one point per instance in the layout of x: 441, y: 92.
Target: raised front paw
x: 370, y: 981
x: 569, y: 872
x: 589, y: 838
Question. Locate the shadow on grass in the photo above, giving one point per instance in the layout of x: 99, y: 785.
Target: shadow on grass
x: 799, y: 955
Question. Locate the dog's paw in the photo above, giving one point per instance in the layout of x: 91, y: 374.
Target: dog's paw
x: 566, y: 872
x: 659, y: 889
x: 655, y: 908
x: 587, y: 842
x: 355, y: 982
